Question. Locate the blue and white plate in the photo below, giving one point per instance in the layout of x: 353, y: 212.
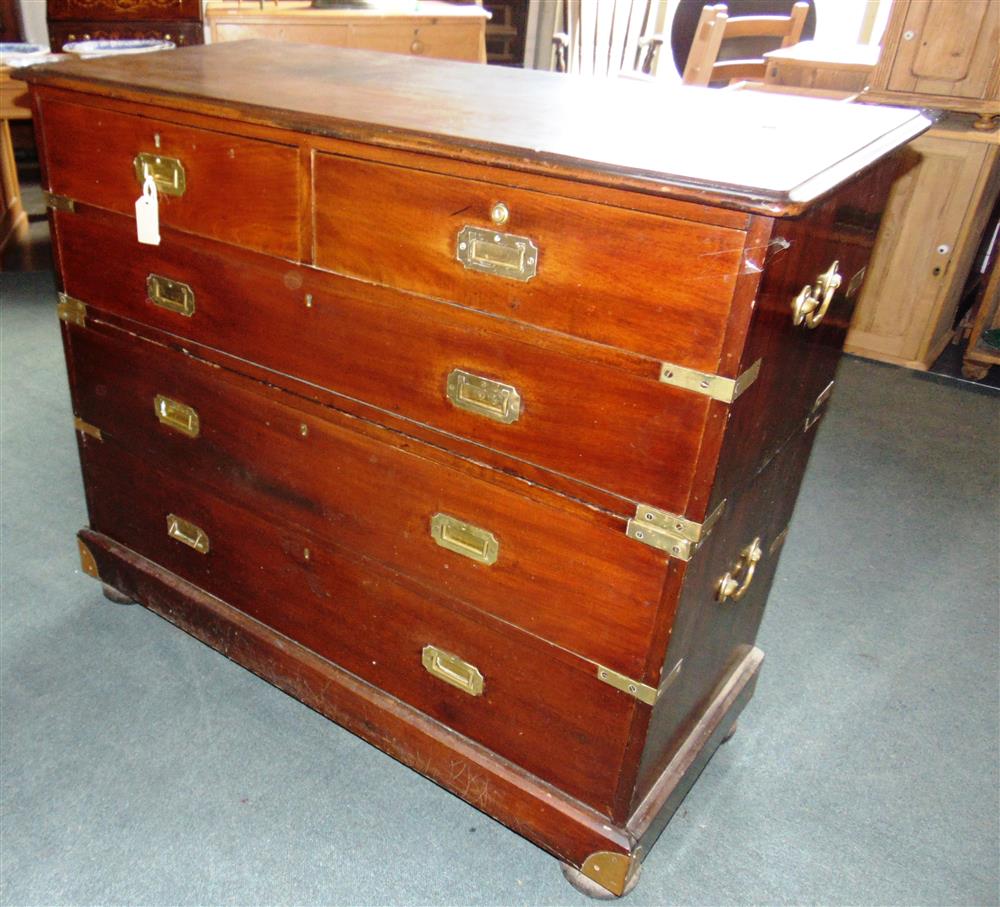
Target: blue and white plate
x: 87, y: 50
x: 18, y: 53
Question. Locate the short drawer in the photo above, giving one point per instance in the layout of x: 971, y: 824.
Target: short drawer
x: 568, y: 407
x: 550, y: 566
x: 239, y: 190
x: 525, y: 700
x: 653, y: 284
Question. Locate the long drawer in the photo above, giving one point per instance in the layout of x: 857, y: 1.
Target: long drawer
x: 657, y: 285
x: 239, y: 190
x: 550, y: 566
x: 565, y: 406
x: 526, y: 700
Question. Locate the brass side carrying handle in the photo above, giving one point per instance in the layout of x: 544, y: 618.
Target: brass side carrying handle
x: 171, y: 295
x: 176, y: 415
x: 810, y: 306
x: 484, y: 397
x: 167, y: 172
x: 470, y: 541
x: 452, y: 669
x: 187, y: 533
x: 731, y: 586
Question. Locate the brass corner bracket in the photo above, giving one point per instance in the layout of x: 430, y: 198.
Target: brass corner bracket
x: 726, y: 390
x: 87, y: 429
x: 612, y: 871
x: 87, y: 563
x: 71, y: 310
x: 677, y: 535
x: 58, y: 202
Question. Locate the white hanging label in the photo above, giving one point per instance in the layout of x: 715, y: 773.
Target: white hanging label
x: 147, y: 214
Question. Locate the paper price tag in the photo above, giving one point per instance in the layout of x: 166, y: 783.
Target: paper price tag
x: 147, y: 214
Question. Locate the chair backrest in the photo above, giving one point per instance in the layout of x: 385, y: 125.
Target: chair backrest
x: 600, y: 37
x: 715, y: 26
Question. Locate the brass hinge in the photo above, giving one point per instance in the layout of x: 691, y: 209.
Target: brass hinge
x: 86, y: 428
x: 677, y: 535
x: 714, y: 386
x: 59, y: 202
x: 71, y: 310
x: 641, y: 691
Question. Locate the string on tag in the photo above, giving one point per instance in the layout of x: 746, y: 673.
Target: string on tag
x: 147, y: 213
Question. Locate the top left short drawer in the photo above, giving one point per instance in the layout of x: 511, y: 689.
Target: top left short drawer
x: 239, y: 190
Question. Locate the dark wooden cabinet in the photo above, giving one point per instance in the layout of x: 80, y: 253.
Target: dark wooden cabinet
x: 92, y: 20
x: 478, y: 435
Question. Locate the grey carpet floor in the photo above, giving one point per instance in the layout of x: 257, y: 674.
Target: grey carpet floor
x: 140, y: 767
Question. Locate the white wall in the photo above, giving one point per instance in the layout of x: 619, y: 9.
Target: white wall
x: 33, y: 21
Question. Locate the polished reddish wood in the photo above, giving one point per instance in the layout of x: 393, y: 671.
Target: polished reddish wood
x: 710, y: 637
x: 800, y: 362
x: 589, y: 412
x: 322, y: 471
x: 480, y: 113
x: 391, y: 225
x: 374, y: 624
x: 238, y: 190
x: 547, y: 816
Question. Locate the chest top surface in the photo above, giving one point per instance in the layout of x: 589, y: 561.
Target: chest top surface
x: 740, y: 149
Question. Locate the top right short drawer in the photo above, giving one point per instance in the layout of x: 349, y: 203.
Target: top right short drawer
x: 656, y: 285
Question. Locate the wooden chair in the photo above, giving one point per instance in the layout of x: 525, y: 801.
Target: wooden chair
x: 601, y: 37
x: 703, y: 66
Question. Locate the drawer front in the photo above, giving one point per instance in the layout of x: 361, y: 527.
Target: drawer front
x: 480, y: 378
x: 242, y: 191
x: 657, y: 285
x: 556, y: 570
x: 537, y: 707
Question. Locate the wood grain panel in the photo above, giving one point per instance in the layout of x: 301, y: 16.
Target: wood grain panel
x: 373, y: 624
x: 587, y: 412
x: 375, y: 493
x: 599, y: 275
x: 238, y: 190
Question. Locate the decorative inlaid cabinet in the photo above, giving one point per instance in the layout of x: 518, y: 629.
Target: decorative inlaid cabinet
x: 452, y: 403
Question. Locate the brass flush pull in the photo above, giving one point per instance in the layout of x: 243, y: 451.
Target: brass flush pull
x: 500, y: 402
x: 502, y: 254
x: 187, y: 533
x: 170, y: 294
x: 731, y: 586
x: 452, y: 669
x: 178, y: 416
x: 167, y: 172
x: 470, y: 541
x: 810, y: 306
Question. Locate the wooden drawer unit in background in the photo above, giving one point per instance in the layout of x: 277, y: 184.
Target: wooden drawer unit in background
x: 93, y: 20
x: 509, y: 420
x: 932, y: 227
x: 431, y: 28
x: 942, y: 54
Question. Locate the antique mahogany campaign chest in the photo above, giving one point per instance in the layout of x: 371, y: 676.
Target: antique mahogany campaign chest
x: 468, y: 406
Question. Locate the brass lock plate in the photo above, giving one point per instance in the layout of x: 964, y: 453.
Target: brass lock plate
x: 171, y: 295
x: 484, y: 397
x: 463, y: 538
x: 167, y: 172
x: 502, y: 254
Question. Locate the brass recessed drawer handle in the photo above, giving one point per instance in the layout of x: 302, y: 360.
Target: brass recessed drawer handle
x: 187, y: 533
x: 732, y: 586
x: 502, y: 254
x: 810, y: 306
x: 167, y: 172
x: 170, y: 294
x: 178, y: 416
x: 452, y: 669
x: 470, y: 541
x: 484, y: 397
